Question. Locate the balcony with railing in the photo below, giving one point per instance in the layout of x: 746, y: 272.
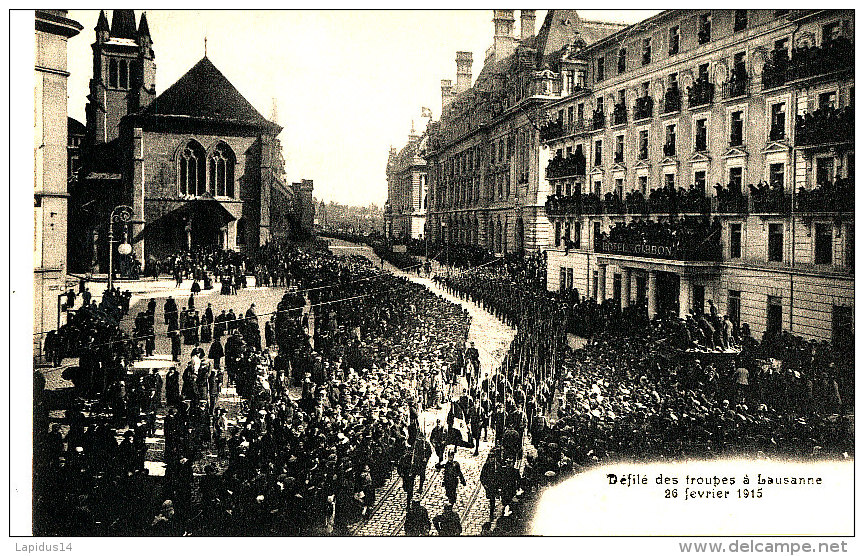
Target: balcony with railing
x: 619, y: 114
x: 687, y: 239
x: 825, y: 126
x: 563, y: 166
x: 573, y: 205
x: 598, y: 120
x: 552, y: 129
x: 835, y: 197
x: 737, y: 86
x: 671, y: 101
x: 701, y: 93
x: 807, y: 62
x: 730, y: 200
x: 765, y: 199
x: 644, y: 108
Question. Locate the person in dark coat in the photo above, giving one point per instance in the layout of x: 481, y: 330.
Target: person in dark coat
x: 452, y: 476
x: 175, y: 345
x: 207, y: 325
x: 216, y: 353
x: 490, y: 479
x: 172, y: 387
x: 448, y: 523
x: 417, y: 522
x: 438, y: 439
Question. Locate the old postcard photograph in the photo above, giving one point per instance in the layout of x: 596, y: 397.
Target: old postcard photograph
x: 376, y: 273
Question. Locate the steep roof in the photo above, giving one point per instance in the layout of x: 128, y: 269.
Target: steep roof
x: 204, y: 93
x: 123, y: 24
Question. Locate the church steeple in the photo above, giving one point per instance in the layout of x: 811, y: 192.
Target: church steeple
x: 124, y: 73
x: 123, y: 24
x: 102, y: 29
x: 143, y: 28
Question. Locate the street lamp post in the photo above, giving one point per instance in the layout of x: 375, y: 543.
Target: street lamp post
x: 123, y: 214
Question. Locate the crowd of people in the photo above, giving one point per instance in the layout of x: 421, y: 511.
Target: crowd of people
x: 330, y: 412
x: 698, y: 238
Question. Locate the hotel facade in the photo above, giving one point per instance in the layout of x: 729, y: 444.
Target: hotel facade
x: 708, y: 155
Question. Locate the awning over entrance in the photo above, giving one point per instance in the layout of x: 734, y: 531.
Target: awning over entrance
x: 205, y: 213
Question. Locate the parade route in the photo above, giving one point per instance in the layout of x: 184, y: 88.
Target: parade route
x: 492, y: 339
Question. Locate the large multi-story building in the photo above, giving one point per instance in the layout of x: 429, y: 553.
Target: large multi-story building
x: 53, y: 30
x: 405, y: 211
x: 483, y: 164
x: 710, y: 157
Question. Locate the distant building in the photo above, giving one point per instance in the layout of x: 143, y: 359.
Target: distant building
x: 405, y: 211
x: 198, y: 164
x: 485, y: 186
x: 680, y: 114
x: 50, y: 153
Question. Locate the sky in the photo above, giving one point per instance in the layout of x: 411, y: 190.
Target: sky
x: 347, y: 84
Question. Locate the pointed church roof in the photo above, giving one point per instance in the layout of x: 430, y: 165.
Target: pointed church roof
x: 102, y: 24
x: 143, y: 28
x: 204, y: 93
x: 123, y: 24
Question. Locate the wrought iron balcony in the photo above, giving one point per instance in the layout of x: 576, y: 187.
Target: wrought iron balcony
x: 644, y: 108
x: 551, y: 130
x: 701, y: 93
x: 570, y: 205
x: 769, y: 200
x: 619, y: 114
x: 731, y: 201
x: 825, y: 126
x: 675, y: 241
x: 738, y: 86
x: 833, y: 197
x: 671, y: 101
x: 573, y: 165
x: 598, y: 120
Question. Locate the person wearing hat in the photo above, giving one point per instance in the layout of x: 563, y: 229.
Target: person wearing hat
x: 447, y: 523
x: 417, y: 523
x: 452, y: 475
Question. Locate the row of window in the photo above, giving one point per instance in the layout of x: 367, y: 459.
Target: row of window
x: 199, y: 174
x: 830, y: 31
x: 122, y: 73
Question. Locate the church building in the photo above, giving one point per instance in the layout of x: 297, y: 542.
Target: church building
x: 198, y: 165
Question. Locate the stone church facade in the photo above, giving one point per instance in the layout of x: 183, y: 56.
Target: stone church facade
x: 199, y: 166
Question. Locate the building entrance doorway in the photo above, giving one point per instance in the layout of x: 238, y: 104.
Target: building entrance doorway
x: 668, y: 285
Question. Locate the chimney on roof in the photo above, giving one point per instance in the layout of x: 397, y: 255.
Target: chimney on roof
x: 447, y: 93
x: 464, y: 60
x: 504, y: 42
x: 527, y: 18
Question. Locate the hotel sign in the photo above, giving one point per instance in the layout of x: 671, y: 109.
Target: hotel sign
x: 637, y: 249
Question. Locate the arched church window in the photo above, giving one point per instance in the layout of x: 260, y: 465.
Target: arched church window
x: 124, y: 74
x: 112, y: 72
x: 192, y: 169
x: 222, y: 171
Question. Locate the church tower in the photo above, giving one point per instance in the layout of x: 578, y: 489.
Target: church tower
x: 124, y: 73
